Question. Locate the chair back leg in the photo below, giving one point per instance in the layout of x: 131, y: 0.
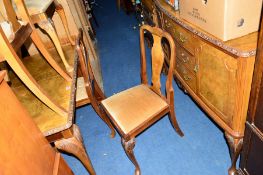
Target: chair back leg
x: 175, y: 124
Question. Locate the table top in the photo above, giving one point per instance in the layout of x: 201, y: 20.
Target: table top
x: 60, y: 90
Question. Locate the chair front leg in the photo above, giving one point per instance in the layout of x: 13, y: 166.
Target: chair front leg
x: 128, y: 147
x: 48, y: 26
x: 74, y: 145
x: 61, y: 13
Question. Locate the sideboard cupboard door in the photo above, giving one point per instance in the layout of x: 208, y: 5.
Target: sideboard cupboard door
x: 217, y: 81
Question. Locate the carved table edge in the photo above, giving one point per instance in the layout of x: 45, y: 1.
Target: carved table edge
x: 210, y: 39
x: 71, y: 102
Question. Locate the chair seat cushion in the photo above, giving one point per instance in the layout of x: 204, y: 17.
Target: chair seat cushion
x: 132, y: 108
x: 36, y: 6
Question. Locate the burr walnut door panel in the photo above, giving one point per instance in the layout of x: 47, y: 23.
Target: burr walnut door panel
x: 217, y: 81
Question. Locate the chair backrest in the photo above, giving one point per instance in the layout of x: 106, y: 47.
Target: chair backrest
x: 158, y: 60
x: 93, y: 89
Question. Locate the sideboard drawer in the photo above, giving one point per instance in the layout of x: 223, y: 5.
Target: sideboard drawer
x: 186, y: 75
x: 182, y: 36
x: 186, y: 58
x: 169, y: 25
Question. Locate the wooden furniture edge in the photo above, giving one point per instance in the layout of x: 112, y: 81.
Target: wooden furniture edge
x: 207, y: 37
x: 71, y: 102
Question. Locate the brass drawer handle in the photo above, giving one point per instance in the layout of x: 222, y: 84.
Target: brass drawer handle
x: 182, y: 38
x: 186, y: 78
x: 168, y: 25
x: 184, y: 57
x: 196, y: 68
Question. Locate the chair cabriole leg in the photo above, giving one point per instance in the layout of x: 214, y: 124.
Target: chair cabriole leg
x: 74, y: 145
x: 128, y: 147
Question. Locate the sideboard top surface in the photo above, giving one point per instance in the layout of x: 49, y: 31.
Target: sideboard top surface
x: 241, y: 47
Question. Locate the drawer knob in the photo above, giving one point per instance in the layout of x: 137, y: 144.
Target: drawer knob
x: 196, y: 68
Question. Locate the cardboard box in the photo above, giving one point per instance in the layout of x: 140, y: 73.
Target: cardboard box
x: 225, y: 19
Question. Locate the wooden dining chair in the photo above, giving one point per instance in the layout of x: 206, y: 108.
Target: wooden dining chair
x: 135, y: 109
x: 18, y: 32
x: 41, y: 13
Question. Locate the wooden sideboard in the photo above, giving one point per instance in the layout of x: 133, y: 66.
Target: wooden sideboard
x: 252, y: 153
x: 216, y: 74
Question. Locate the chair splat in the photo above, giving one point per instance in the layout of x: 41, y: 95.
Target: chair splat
x: 157, y: 63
